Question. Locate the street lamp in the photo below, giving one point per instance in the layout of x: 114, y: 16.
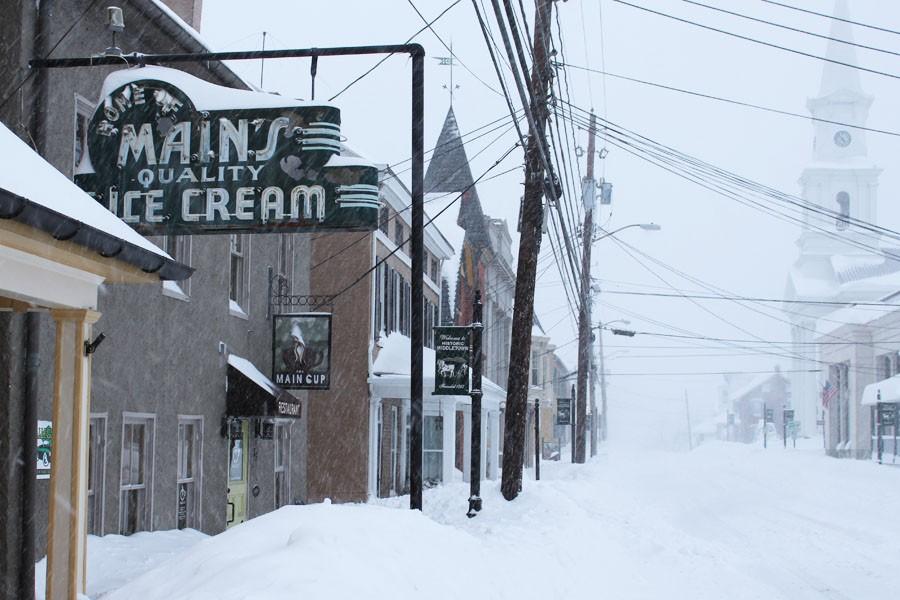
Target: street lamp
x: 644, y: 226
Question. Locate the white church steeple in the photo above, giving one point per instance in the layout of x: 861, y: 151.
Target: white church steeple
x: 840, y: 177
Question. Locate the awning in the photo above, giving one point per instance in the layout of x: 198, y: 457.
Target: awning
x: 252, y: 394
x: 886, y: 390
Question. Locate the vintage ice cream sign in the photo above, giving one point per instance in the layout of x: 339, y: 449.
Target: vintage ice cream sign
x: 171, y: 154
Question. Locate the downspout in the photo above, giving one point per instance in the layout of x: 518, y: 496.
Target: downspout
x: 38, y: 131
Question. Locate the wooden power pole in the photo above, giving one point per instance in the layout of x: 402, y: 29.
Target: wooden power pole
x: 584, y: 304
x: 529, y: 247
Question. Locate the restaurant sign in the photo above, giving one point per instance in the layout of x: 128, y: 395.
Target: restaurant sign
x: 451, y: 364
x: 165, y: 163
x: 301, y: 351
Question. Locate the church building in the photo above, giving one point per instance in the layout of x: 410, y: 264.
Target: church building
x: 840, y: 258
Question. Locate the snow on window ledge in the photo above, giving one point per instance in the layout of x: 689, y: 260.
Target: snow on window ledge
x: 235, y: 310
x: 173, y: 290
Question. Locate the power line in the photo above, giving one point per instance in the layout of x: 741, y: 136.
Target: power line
x: 450, y: 50
x: 728, y: 100
x: 722, y: 182
x: 789, y: 28
x: 710, y: 373
x: 752, y: 299
x: 756, y: 41
x: 384, y: 58
x: 378, y: 263
x: 818, y: 14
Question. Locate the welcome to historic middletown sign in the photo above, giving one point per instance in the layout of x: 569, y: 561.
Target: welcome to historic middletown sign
x: 171, y: 154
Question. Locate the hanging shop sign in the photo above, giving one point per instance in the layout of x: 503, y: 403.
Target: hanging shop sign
x: 301, y: 351
x: 888, y: 415
x: 451, y: 365
x: 166, y: 166
x: 788, y: 415
x: 44, y: 448
x: 563, y: 411
x: 770, y: 415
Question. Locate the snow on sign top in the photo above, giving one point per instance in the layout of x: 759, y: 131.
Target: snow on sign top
x: 204, y: 95
x: 27, y: 174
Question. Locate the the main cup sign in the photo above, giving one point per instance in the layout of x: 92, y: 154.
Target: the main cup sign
x: 166, y: 167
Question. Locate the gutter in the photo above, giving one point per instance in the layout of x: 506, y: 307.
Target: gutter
x: 65, y: 228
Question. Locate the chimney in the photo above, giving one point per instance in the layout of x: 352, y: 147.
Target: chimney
x: 189, y: 10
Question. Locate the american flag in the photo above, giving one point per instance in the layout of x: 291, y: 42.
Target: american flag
x: 829, y: 391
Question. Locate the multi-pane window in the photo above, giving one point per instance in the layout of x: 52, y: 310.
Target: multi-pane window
x: 399, y: 233
x: 384, y: 217
x: 237, y: 284
x: 190, y: 441
x: 435, y: 271
x: 96, y: 474
x: 282, y: 464
x: 535, y: 368
x: 137, y: 473
x: 433, y: 450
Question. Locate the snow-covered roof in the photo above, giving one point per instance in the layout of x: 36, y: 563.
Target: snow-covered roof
x: 26, y: 174
x: 886, y: 390
x: 391, y: 369
x: 204, y: 95
x: 394, y: 358
x: 255, y: 375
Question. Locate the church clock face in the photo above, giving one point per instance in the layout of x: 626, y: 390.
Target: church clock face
x: 842, y: 138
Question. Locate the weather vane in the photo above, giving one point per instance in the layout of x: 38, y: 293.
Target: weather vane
x: 448, y: 61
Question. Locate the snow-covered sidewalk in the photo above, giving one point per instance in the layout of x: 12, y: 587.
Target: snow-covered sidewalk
x: 725, y: 520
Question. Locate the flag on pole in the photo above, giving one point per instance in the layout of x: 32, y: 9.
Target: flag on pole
x: 829, y: 391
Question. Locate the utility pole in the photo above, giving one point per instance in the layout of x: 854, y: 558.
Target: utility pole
x: 584, y: 311
x: 687, y: 410
x: 537, y: 439
x: 529, y: 247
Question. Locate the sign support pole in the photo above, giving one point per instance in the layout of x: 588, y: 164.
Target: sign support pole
x: 765, y: 425
x: 475, y: 469
x: 417, y: 53
x: 574, y: 418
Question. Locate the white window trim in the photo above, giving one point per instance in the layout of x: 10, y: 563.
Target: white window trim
x: 84, y: 107
x: 138, y: 417
x: 241, y: 309
x: 198, y: 473
x: 105, y: 417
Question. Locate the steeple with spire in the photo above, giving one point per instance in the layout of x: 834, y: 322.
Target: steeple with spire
x: 840, y: 178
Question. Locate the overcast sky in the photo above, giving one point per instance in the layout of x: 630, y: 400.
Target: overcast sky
x: 703, y: 234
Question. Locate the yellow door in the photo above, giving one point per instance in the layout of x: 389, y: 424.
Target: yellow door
x: 238, y: 434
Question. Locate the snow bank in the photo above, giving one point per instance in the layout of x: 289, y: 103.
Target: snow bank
x: 724, y: 521
x: 113, y: 560
x: 322, y: 551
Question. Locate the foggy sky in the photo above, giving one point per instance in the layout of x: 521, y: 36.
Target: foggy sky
x: 704, y: 235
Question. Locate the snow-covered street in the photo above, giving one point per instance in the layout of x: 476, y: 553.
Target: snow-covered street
x: 725, y: 520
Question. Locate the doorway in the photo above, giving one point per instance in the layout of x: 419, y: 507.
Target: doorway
x: 239, y: 435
